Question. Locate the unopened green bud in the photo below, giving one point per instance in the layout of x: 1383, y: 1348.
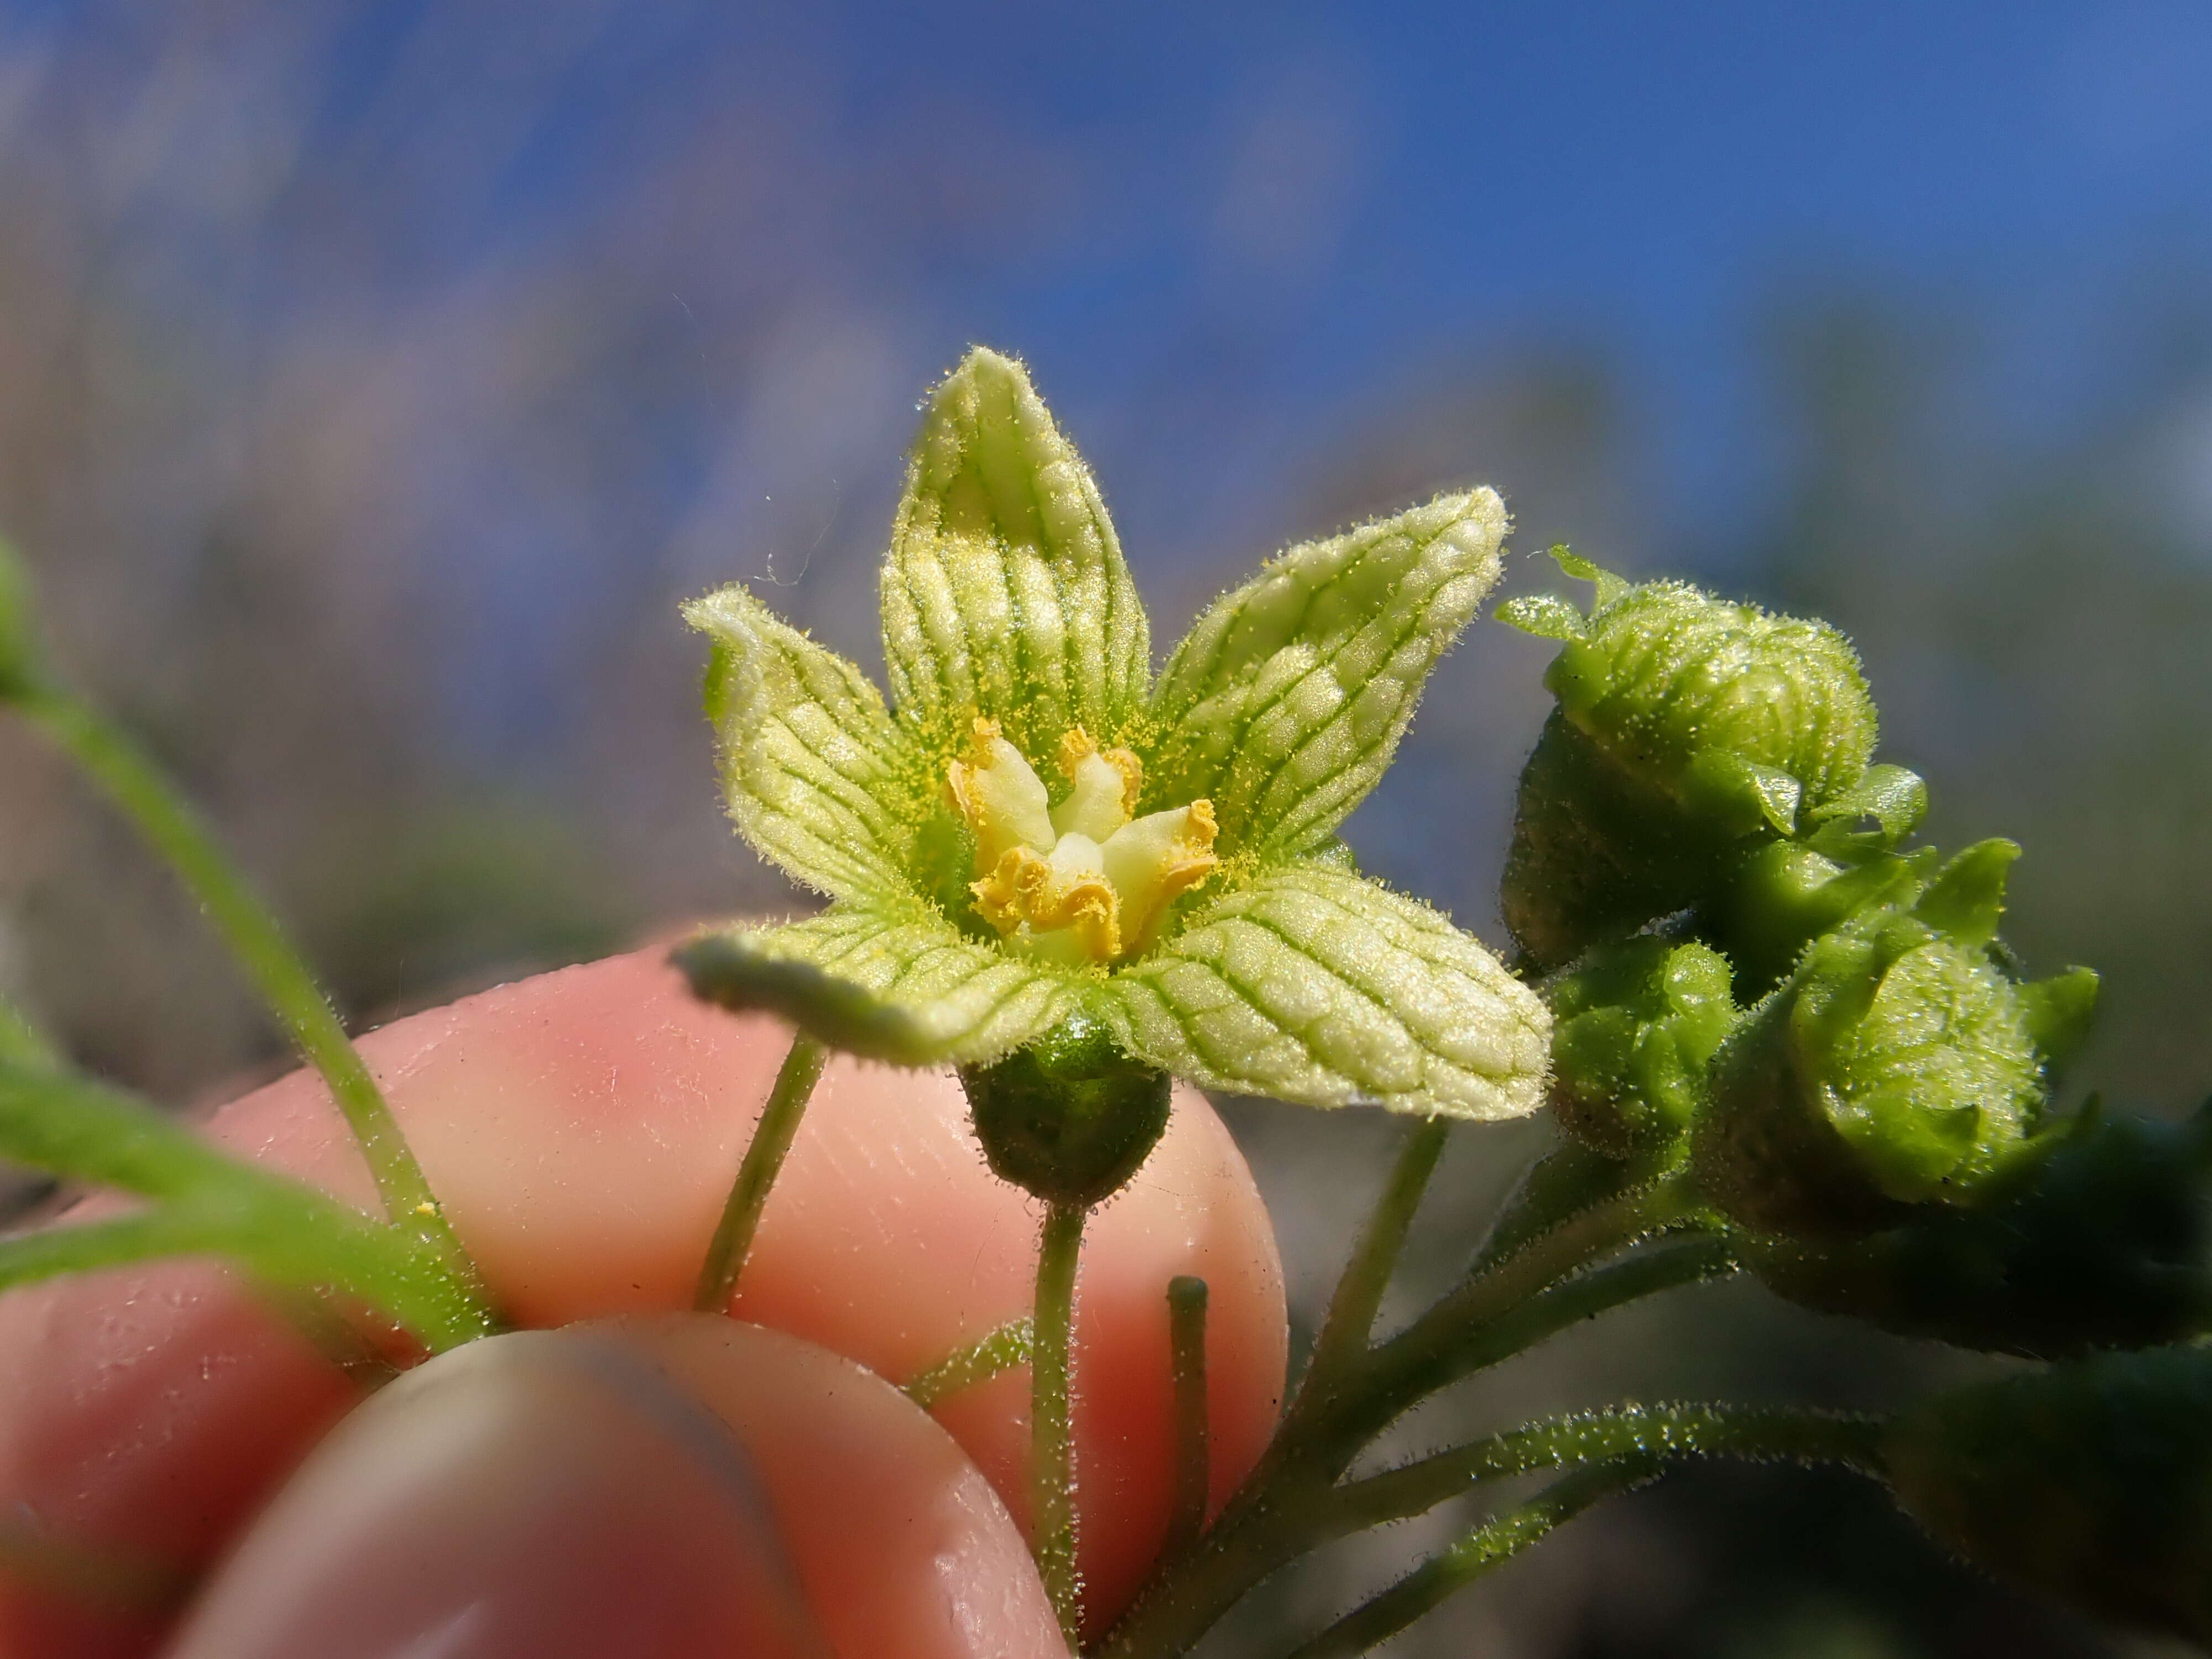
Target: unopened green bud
x: 2098, y: 1235
x: 1637, y: 1023
x: 2091, y: 1481
x: 1786, y: 894
x: 1897, y: 1065
x: 1687, y: 726
x: 1070, y: 1117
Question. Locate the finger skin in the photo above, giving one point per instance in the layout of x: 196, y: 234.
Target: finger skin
x: 582, y: 1129
x: 683, y: 1487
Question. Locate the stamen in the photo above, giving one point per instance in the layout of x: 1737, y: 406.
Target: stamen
x: 1081, y: 881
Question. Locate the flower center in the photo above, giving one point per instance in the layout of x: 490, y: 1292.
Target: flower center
x: 1084, y: 881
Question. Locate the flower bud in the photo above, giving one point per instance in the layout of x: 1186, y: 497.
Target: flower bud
x: 1070, y: 1117
x: 1897, y: 1065
x: 1787, y: 894
x: 2091, y: 1481
x: 1686, y: 726
x: 2098, y: 1235
x: 1636, y: 1025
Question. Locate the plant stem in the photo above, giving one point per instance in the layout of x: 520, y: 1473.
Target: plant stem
x: 1615, y: 1450
x: 1286, y: 1506
x: 972, y: 1366
x: 1454, y: 1337
x: 1194, y: 1449
x: 177, y: 833
x: 1672, y: 1432
x: 763, y: 1160
x: 1052, y: 1472
x: 1489, y: 1546
x: 1350, y: 1318
x: 281, y: 1228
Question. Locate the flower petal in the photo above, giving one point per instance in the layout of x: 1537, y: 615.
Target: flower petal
x: 889, y: 982
x: 1316, y: 986
x: 1004, y: 593
x: 816, y: 775
x: 1286, y: 702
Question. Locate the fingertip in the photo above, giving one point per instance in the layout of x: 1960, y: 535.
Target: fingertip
x: 685, y: 1487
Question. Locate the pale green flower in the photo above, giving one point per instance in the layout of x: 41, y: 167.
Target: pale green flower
x: 1035, y: 827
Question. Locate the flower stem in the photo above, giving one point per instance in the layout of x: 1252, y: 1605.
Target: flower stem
x: 1671, y: 1431
x: 1608, y: 1453
x: 1350, y: 1318
x: 1194, y: 1449
x: 177, y: 833
x: 1288, y: 1505
x: 207, y: 1202
x: 974, y: 1365
x: 1489, y: 1546
x: 756, y: 1172
x: 1052, y: 1471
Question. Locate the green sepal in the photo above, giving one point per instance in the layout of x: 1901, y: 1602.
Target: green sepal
x: 1068, y: 1117
x: 1739, y: 794
x: 1785, y: 894
x: 816, y: 776
x: 1894, y: 798
x: 1285, y: 702
x: 1317, y: 987
x: 889, y: 982
x: 2059, y: 1012
x: 1965, y: 900
x: 2090, y: 1481
x: 1546, y: 616
x: 2096, y: 1234
x: 1004, y: 593
x: 1608, y: 587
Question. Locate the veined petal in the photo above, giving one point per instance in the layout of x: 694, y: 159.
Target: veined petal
x: 1286, y: 702
x: 1316, y: 986
x: 816, y: 775
x: 1004, y: 593
x: 891, y: 983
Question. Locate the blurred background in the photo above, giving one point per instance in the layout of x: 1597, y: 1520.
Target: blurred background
x: 375, y: 378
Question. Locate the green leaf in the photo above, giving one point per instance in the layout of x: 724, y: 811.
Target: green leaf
x: 1004, y: 593
x: 892, y: 983
x: 1286, y: 702
x: 817, y: 777
x: 210, y: 1203
x: 1318, y: 987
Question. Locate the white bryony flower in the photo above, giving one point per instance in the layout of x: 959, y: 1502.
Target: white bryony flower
x: 1037, y: 828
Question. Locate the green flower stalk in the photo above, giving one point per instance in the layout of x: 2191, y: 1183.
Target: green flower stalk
x: 1035, y: 829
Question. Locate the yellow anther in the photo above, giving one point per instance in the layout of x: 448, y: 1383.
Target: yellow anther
x: 1000, y: 799
x: 1154, y: 858
x: 1081, y: 882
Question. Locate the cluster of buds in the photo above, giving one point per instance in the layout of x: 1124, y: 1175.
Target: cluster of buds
x: 1750, y: 965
